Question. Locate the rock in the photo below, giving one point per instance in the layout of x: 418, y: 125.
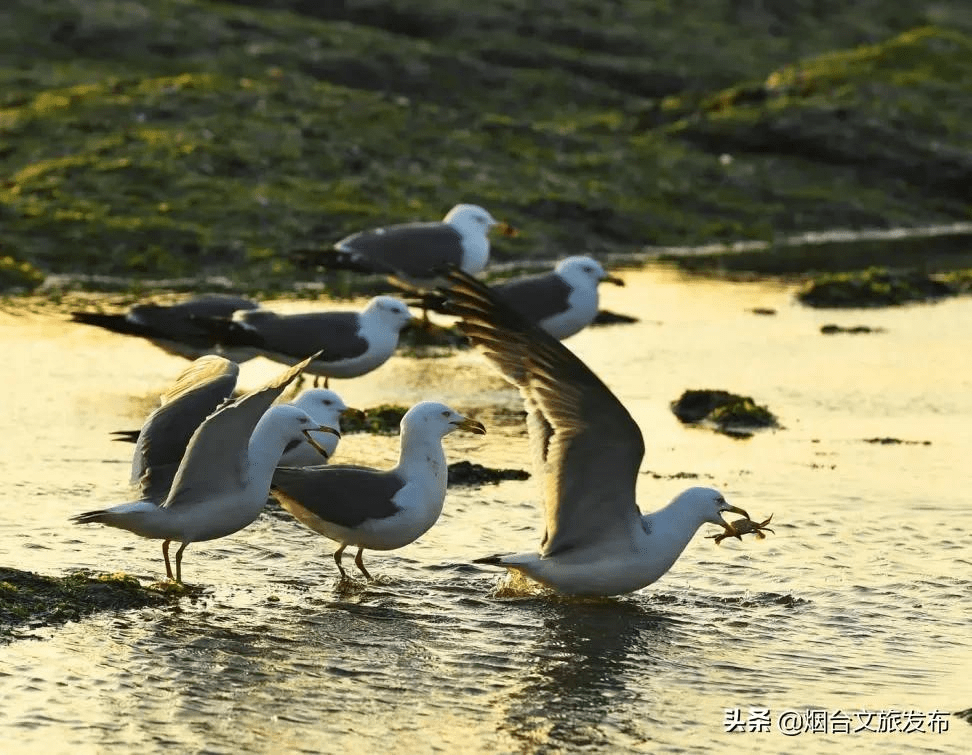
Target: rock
x: 468, y: 473
x: 831, y: 329
x: 728, y: 413
x: 875, y: 287
x: 29, y: 600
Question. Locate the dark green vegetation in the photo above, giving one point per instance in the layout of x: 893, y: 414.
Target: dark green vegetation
x: 729, y: 413
x: 469, y: 473
x: 876, y: 287
x: 160, y: 138
x: 29, y: 600
x: 384, y: 419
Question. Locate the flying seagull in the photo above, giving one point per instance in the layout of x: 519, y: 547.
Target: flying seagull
x: 174, y: 328
x: 587, y: 449
x: 223, y: 479
x: 372, y: 508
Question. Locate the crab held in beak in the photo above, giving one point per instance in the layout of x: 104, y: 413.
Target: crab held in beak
x: 741, y: 527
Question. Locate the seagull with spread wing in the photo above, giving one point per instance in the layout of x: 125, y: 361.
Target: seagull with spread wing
x: 223, y: 479
x: 587, y: 450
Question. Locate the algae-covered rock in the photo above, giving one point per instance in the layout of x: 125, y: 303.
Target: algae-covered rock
x: 383, y: 419
x: 728, y: 413
x: 29, y: 601
x: 171, y: 138
x: 469, y: 473
x: 874, y: 287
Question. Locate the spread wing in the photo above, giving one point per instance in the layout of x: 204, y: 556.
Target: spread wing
x: 414, y: 249
x: 587, y: 449
x: 344, y: 495
x: 164, y: 437
x: 217, y: 454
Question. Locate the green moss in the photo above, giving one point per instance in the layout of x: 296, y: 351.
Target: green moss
x: 383, y: 419
x: 729, y: 413
x: 29, y: 600
x: 876, y: 287
x: 15, y: 274
x: 185, y: 137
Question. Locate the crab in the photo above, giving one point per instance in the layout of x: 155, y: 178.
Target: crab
x: 741, y: 527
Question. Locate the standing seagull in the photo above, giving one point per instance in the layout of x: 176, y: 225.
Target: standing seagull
x: 223, y: 480
x: 349, y: 343
x: 326, y: 408
x: 376, y: 509
x: 174, y: 328
x: 415, y: 253
x: 587, y: 450
x: 199, y: 391
x: 562, y: 302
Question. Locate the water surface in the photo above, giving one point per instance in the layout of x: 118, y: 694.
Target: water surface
x: 859, y: 602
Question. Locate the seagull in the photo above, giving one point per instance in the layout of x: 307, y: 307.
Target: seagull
x: 562, y: 302
x: 587, y: 449
x: 349, y: 343
x: 174, y: 328
x: 223, y: 479
x: 326, y: 408
x: 415, y: 253
x: 378, y: 509
x: 198, y: 391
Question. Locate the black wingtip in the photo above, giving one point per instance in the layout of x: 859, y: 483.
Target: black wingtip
x: 125, y: 436
x: 116, y: 323
x: 494, y: 560
x: 88, y: 517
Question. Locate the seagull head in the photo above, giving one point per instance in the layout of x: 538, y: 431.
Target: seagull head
x: 471, y: 218
x: 291, y: 423
x: 431, y: 416
x: 585, y: 270
x: 390, y: 311
x: 708, y: 505
x: 325, y: 406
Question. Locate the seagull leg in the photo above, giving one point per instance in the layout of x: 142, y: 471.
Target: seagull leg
x: 179, y: 562
x: 337, y: 559
x: 165, y: 554
x: 326, y: 379
x: 360, y: 564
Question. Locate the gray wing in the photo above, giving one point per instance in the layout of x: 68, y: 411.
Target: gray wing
x: 178, y: 322
x: 163, y: 439
x: 334, y: 334
x: 414, y: 249
x: 536, y: 297
x: 216, y: 455
x: 344, y: 495
x: 587, y: 449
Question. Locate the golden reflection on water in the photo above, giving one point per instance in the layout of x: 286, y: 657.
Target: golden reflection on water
x: 860, y: 599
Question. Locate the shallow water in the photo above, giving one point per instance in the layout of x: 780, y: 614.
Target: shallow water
x: 859, y: 603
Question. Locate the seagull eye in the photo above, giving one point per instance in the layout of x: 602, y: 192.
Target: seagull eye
x: 446, y: 414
